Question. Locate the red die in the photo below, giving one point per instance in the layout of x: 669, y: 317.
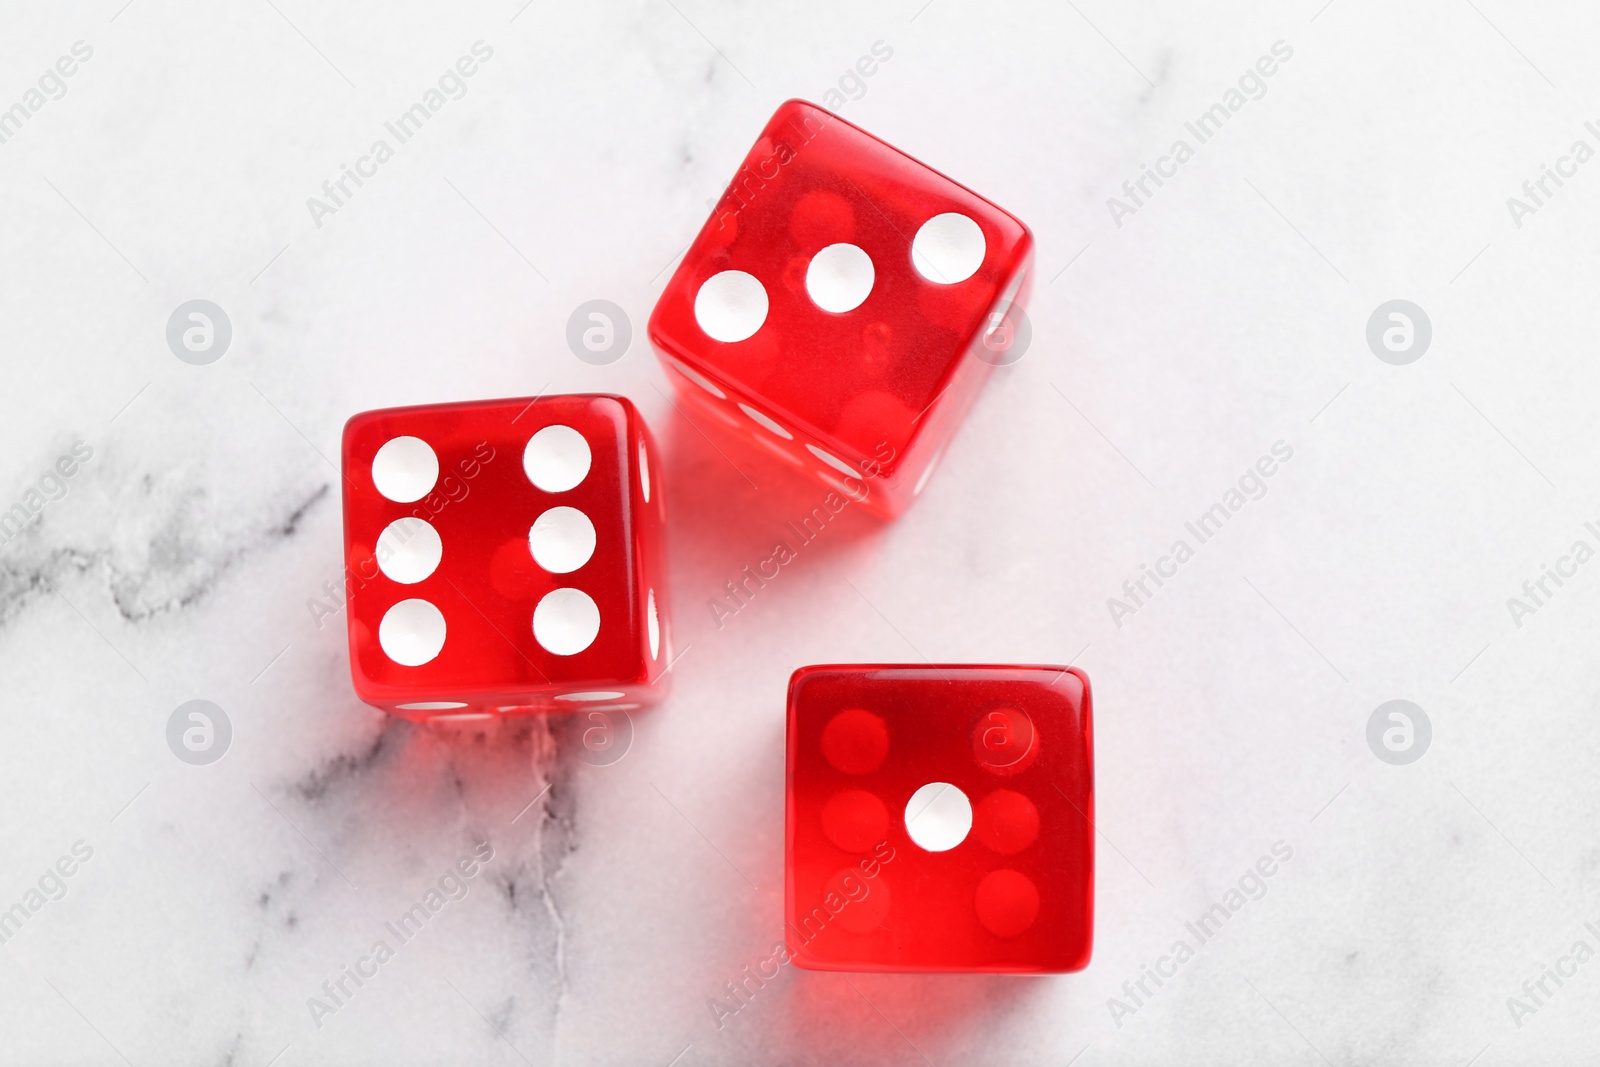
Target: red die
x: 841, y: 306
x: 504, y: 556
x: 940, y: 819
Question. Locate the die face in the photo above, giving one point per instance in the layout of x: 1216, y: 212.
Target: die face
x: 939, y: 818
x: 836, y: 300
x: 503, y: 556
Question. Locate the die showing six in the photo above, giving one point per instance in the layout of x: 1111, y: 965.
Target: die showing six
x: 505, y: 556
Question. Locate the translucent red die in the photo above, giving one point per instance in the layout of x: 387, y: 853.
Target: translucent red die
x: 940, y: 818
x: 504, y: 556
x: 843, y: 305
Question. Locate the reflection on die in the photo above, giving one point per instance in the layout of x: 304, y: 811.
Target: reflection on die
x: 940, y: 818
x: 834, y: 308
x: 504, y: 556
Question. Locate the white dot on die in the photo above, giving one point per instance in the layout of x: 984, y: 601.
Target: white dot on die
x: 556, y: 459
x: 949, y: 248
x: 761, y: 417
x: 561, y: 540
x: 412, y: 632
x: 404, y: 469
x: 832, y: 460
x: 566, y: 621
x: 432, y: 705
x: 938, y: 817
x: 409, y: 550
x: 840, y: 277
x: 598, y: 694
x: 644, y: 472
x: 731, y: 306
x: 652, y: 624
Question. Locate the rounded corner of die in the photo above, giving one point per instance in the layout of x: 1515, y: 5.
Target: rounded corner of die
x: 806, y: 963
x: 1082, y: 960
x: 366, y: 691
x: 1015, y: 241
x: 797, y: 680
x: 1054, y: 674
x: 795, y: 105
x: 619, y: 405
x: 1026, y: 241
x: 353, y: 426
x: 1086, y: 697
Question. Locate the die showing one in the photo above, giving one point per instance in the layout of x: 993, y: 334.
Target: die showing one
x: 841, y: 307
x: 504, y: 556
x: 940, y: 818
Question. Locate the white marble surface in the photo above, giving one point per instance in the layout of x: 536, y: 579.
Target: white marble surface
x: 1226, y: 314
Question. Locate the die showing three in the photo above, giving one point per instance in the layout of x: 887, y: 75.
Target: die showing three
x: 834, y: 308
